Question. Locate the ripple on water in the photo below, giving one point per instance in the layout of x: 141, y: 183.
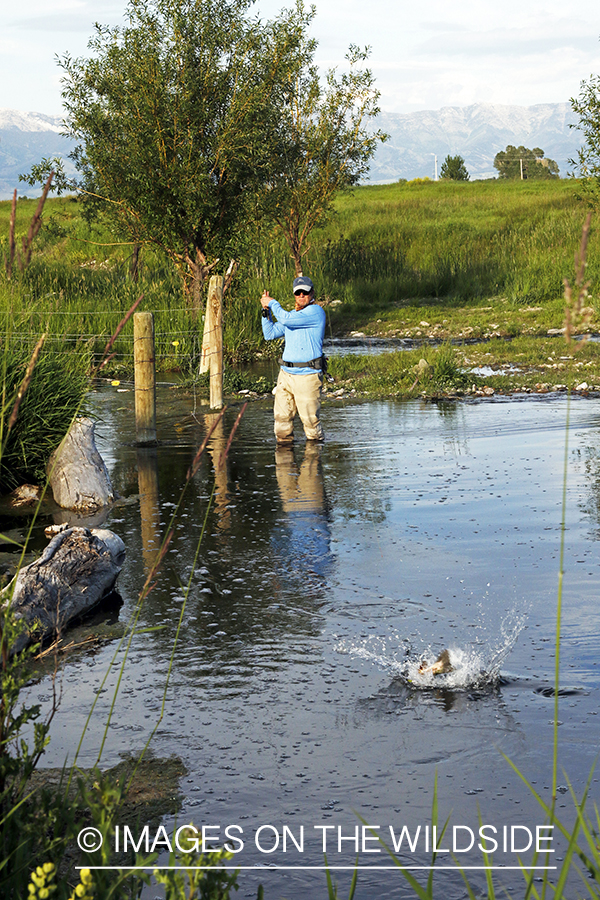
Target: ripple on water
x: 430, y: 528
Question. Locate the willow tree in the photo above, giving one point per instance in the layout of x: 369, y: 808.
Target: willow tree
x: 587, y: 107
x: 326, y: 141
x: 176, y: 118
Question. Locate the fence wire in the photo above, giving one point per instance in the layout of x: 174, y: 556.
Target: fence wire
x: 169, y: 344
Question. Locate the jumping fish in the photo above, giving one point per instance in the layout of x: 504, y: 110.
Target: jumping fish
x: 441, y: 666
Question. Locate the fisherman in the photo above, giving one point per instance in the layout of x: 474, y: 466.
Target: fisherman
x: 300, y: 378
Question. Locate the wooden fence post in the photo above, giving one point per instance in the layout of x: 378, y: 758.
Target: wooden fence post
x: 145, y: 378
x: 206, y: 340
x: 215, y: 317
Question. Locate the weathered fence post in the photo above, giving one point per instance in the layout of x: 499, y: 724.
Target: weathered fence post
x: 145, y: 380
x: 214, y: 315
x: 147, y: 466
x: 206, y: 340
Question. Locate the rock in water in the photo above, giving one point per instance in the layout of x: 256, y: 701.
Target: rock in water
x: 76, y: 570
x: 78, y: 477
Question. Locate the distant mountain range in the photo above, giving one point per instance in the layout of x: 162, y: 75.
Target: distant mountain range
x: 25, y: 139
x: 475, y: 132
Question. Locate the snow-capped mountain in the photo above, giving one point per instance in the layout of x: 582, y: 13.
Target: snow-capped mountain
x: 11, y: 119
x: 26, y: 138
x: 475, y: 132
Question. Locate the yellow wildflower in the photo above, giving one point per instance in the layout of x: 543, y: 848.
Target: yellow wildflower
x: 85, y: 889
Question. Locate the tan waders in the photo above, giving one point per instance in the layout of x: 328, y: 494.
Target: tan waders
x: 298, y: 394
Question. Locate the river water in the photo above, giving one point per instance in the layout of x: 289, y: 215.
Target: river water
x: 323, y: 576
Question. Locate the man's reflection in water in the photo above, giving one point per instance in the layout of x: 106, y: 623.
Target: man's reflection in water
x: 302, y: 545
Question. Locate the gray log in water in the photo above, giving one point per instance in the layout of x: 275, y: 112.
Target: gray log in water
x: 78, y: 477
x: 77, y: 569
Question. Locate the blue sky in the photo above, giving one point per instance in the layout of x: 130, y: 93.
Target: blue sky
x: 424, y: 55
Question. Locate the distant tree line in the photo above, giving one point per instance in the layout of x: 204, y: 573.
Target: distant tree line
x: 514, y: 162
x: 520, y: 162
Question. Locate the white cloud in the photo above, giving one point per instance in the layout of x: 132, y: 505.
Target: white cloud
x: 505, y: 42
x: 487, y: 52
x: 63, y: 22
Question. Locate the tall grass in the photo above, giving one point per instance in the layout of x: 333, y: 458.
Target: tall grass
x: 78, y: 287
x: 387, y: 248
x: 57, y: 389
x: 392, y: 243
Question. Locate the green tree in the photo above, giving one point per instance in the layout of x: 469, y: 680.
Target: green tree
x: 454, y: 169
x: 519, y: 162
x: 40, y: 172
x: 324, y: 146
x: 587, y: 107
x: 176, y: 117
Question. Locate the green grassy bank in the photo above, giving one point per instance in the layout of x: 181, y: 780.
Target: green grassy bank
x: 427, y: 261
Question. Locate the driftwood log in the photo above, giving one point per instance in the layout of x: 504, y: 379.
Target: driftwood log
x: 76, y: 570
x: 78, y: 477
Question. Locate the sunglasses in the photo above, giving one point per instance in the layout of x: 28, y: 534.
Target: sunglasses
x: 302, y: 293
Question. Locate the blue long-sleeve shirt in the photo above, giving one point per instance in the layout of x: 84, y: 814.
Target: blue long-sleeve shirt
x: 303, y: 330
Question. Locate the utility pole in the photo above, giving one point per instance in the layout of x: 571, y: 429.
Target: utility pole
x: 521, y: 161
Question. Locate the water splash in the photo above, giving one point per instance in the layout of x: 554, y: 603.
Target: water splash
x: 468, y: 669
x: 510, y: 628
x: 471, y: 665
x: 375, y: 649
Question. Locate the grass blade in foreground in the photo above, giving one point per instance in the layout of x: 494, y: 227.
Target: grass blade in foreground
x: 423, y: 893
x: 106, y: 821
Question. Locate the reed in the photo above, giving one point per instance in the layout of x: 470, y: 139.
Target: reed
x: 41, y: 393
x: 34, y: 227
x: 77, y: 799
x: 11, y: 236
x: 32, y: 418
x: 188, y: 880
x: 61, y: 810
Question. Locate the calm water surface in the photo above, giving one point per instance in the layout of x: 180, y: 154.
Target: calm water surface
x: 321, y: 572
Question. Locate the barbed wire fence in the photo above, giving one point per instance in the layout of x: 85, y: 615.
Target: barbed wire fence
x: 176, y: 344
